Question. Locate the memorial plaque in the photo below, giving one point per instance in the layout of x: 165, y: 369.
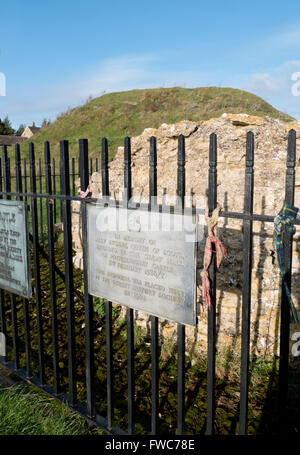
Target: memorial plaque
x: 14, y: 253
x: 144, y: 260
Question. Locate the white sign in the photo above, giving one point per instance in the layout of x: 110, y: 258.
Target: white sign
x: 14, y: 254
x: 144, y: 260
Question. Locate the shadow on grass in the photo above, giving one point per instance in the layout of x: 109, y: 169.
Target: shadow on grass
x: 263, y: 387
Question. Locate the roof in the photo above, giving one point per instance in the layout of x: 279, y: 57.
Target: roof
x: 34, y: 129
x: 10, y: 140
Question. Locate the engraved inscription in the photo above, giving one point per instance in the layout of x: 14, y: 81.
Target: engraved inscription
x: 14, y: 266
x: 145, y: 269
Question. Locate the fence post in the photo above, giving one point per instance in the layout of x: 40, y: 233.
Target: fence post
x: 73, y: 176
x: 88, y: 299
x: 285, y: 316
x: 104, y: 168
x: 25, y: 178
x: 154, y: 320
x: 54, y: 188
x: 13, y: 301
x: 50, y: 232
x: 247, y: 272
x: 2, y: 302
x: 19, y: 189
x: 181, y: 327
x: 41, y: 202
x: 35, y: 239
x: 129, y: 311
x: 18, y: 171
x: 108, y: 315
x: 6, y: 172
x: 211, y: 312
x: 66, y: 218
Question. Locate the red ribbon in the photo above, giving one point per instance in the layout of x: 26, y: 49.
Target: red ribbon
x: 85, y: 194
x: 220, y: 251
x: 206, y: 288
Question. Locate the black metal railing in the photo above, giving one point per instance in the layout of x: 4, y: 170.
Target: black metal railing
x: 48, y: 197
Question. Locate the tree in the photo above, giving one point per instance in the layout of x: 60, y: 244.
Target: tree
x: 20, y: 130
x: 45, y: 123
x: 5, y: 127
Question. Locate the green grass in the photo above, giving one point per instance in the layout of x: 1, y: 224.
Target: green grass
x: 26, y: 411
x: 263, y: 392
x: 117, y: 115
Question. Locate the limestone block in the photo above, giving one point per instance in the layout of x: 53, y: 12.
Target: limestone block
x: 269, y: 176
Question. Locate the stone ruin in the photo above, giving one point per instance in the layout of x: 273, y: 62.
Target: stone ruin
x: 270, y: 137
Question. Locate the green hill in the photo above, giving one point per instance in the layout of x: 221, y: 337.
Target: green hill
x: 121, y: 114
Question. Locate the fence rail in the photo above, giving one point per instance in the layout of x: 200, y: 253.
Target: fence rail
x: 51, y: 187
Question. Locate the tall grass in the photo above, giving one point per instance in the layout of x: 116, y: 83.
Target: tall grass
x: 24, y: 411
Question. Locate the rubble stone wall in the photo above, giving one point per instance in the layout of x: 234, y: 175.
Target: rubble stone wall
x: 269, y: 181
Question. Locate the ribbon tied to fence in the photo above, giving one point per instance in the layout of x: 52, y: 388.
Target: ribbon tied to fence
x: 85, y: 194
x: 284, y: 222
x: 212, y: 239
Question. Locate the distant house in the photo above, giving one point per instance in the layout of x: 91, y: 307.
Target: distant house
x: 10, y: 140
x: 30, y: 131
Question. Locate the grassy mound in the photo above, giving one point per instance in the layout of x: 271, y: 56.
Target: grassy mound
x: 121, y: 114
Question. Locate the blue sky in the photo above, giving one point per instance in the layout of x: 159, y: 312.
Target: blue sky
x: 55, y: 54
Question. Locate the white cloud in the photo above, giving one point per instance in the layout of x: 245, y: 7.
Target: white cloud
x: 288, y: 36
x: 111, y: 75
x: 264, y: 81
x: 2, y: 84
x: 276, y: 79
x: 276, y: 87
x: 143, y: 71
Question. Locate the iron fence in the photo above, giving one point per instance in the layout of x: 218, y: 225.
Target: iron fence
x: 43, y: 187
